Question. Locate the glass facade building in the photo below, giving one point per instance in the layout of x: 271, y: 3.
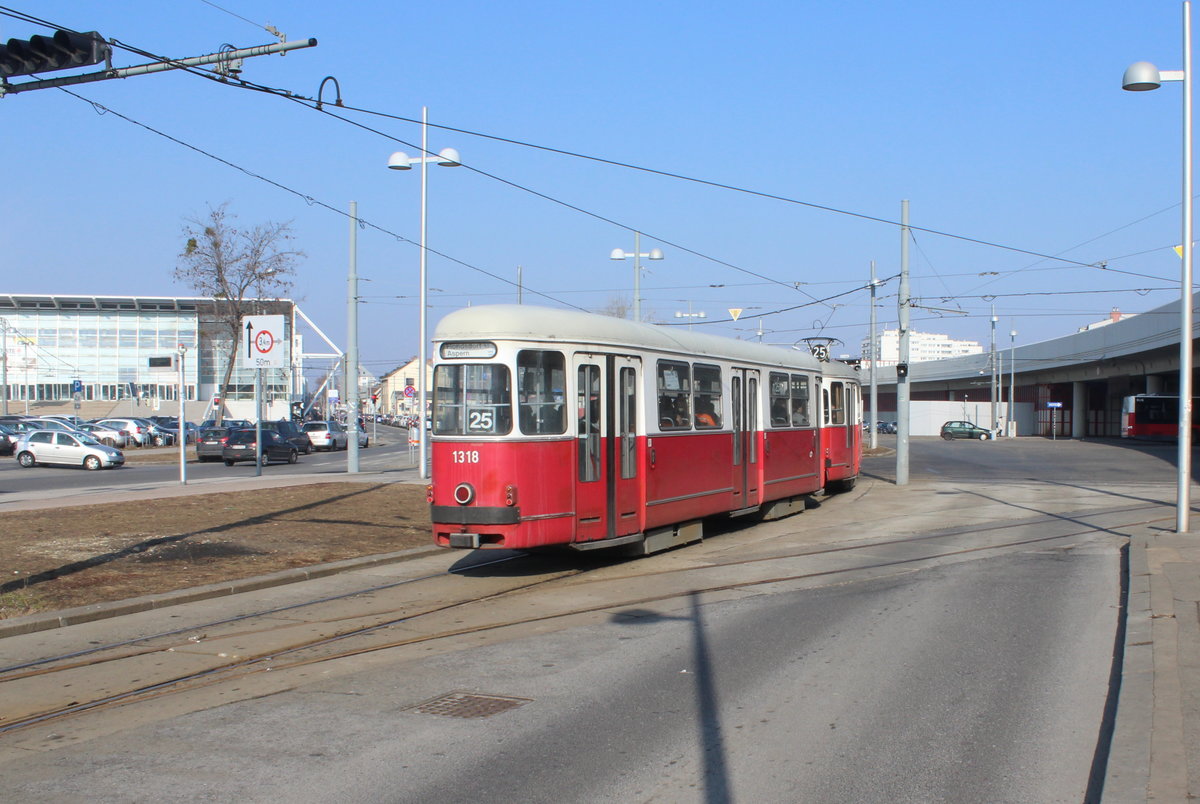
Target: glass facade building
x: 115, y: 347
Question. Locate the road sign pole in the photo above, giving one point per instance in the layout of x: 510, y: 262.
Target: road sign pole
x: 258, y: 453
x: 182, y: 423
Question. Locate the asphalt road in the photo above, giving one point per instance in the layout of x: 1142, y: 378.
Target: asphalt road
x: 947, y: 643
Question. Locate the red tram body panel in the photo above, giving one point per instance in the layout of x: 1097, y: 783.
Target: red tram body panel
x: 559, y: 428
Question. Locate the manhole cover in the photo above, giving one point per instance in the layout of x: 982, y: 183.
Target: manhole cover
x: 468, y: 704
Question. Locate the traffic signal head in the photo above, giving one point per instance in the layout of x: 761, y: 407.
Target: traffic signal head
x: 61, y: 51
x: 901, y: 369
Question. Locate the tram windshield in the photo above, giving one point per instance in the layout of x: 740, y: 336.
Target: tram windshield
x: 472, y: 399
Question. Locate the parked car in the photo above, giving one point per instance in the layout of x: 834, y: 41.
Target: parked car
x: 364, y: 440
x: 48, y: 423
x: 290, y: 431
x: 952, y: 430
x: 210, y: 443
x: 138, y: 429
x: 8, y: 439
x: 67, y: 449
x: 240, y: 446
x: 327, y: 435
x: 106, y: 435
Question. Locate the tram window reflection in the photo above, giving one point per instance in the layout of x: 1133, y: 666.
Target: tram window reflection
x: 674, y: 395
x: 472, y: 399
x: 541, y: 376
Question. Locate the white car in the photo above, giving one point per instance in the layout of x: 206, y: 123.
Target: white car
x: 66, y: 449
x: 327, y: 435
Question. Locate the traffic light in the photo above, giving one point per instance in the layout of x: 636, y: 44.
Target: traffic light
x: 901, y: 369
x: 60, y: 51
x: 374, y: 398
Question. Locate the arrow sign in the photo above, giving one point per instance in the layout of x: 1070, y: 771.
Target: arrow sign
x: 264, y: 342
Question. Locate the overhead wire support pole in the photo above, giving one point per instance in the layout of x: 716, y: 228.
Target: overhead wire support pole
x: 156, y: 67
x: 902, y: 389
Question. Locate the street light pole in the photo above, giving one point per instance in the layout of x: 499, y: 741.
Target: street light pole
x: 994, y: 382
x: 1142, y: 76
x: 352, y: 343
x: 652, y: 254
x: 447, y: 157
x: 1012, y: 382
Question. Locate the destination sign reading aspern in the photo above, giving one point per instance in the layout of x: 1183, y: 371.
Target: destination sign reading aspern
x: 462, y: 349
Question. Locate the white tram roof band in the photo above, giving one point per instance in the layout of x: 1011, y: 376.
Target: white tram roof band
x: 528, y: 322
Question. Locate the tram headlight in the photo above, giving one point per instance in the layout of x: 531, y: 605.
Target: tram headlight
x: 464, y: 493
x: 510, y: 495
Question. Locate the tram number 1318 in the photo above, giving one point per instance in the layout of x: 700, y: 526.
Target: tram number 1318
x: 465, y: 456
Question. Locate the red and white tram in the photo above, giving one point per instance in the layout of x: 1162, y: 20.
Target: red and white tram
x: 553, y: 427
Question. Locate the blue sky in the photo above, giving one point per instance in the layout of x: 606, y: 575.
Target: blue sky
x: 1000, y: 122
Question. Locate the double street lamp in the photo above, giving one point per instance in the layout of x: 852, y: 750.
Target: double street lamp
x: 637, y: 254
x: 1142, y: 76
x: 447, y: 157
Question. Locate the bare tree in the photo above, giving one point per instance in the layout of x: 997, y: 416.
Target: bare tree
x: 617, y: 307
x: 237, y: 268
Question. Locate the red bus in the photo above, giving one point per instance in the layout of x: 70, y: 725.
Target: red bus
x: 559, y: 428
x: 1153, y: 416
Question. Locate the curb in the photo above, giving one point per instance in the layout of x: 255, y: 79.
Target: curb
x: 46, y: 621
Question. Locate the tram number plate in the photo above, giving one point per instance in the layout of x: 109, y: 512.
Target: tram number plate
x: 465, y: 456
x: 481, y: 420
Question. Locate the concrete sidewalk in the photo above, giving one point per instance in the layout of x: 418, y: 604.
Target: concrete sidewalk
x: 1156, y: 744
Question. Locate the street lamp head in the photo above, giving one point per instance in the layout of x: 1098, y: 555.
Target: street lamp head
x: 448, y: 157
x: 399, y: 161
x: 617, y: 254
x: 1141, y: 76
x: 656, y: 254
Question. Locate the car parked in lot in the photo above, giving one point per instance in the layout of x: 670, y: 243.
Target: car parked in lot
x: 106, y: 435
x: 952, y: 430
x: 328, y: 436
x: 8, y: 439
x: 138, y: 429
x: 66, y: 449
x: 240, y: 445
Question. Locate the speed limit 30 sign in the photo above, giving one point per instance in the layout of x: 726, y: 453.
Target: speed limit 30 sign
x: 262, y: 343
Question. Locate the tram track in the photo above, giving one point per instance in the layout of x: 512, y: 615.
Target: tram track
x: 500, y: 610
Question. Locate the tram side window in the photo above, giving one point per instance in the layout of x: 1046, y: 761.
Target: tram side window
x: 541, y: 377
x: 837, y: 392
x: 780, y: 399
x: 472, y: 399
x: 707, y: 396
x: 800, y: 401
x: 674, y: 395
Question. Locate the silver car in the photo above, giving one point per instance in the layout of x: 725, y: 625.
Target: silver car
x: 327, y: 435
x: 66, y: 449
x: 111, y: 436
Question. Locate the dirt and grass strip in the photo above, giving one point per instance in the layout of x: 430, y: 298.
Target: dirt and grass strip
x: 61, y: 558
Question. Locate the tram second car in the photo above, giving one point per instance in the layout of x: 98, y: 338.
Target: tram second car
x: 559, y: 428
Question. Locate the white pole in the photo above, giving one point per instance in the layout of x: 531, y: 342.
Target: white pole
x: 182, y: 422
x: 422, y: 389
x: 352, y: 343
x: 637, y: 276
x: 1012, y: 382
x: 258, y: 422
x: 902, y: 389
x: 1183, y: 482
x: 874, y: 360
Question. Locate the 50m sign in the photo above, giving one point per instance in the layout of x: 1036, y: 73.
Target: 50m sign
x: 262, y: 342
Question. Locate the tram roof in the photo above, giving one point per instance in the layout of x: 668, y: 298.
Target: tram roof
x: 529, y: 322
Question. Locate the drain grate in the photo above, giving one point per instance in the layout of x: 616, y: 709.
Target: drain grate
x: 468, y: 705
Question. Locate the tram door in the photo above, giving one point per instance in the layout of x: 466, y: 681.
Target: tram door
x: 607, y: 502
x: 744, y: 389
